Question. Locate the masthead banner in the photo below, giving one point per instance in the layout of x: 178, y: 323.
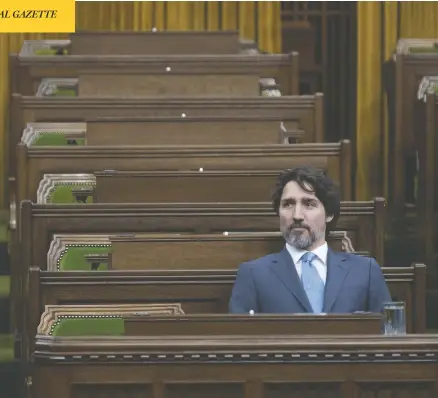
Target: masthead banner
x: 42, y: 16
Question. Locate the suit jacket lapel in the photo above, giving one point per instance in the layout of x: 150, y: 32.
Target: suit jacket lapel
x: 284, y: 267
x: 337, y: 270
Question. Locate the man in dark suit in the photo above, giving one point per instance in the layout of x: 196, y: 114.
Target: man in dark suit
x: 307, y: 276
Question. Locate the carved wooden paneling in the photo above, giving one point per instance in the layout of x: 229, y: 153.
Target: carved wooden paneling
x: 408, y: 389
x: 239, y: 366
x: 203, y: 390
x: 302, y: 390
x: 112, y: 390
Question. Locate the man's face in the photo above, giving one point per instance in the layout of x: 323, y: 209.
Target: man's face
x: 302, y: 217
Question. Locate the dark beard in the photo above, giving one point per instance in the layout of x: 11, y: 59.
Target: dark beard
x: 300, y: 240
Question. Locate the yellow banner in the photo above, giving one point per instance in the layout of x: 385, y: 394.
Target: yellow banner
x: 42, y: 16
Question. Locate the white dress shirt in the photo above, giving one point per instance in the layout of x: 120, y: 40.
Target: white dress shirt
x: 320, y: 262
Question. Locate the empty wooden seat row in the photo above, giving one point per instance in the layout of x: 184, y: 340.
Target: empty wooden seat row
x: 257, y: 164
x: 157, y: 75
x: 230, y: 66
x: 179, y: 130
x: 305, y: 111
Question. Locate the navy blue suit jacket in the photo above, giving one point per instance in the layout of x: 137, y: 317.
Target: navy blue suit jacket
x: 271, y: 284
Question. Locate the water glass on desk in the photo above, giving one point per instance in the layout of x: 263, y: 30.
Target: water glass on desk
x: 394, y: 318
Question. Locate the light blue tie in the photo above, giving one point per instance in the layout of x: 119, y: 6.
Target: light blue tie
x: 312, y: 282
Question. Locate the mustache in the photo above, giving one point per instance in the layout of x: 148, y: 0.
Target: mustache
x: 300, y: 225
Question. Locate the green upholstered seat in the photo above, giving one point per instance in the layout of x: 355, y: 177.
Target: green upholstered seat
x: 58, y: 87
x: 66, y: 188
x: 65, y: 92
x: 52, y: 138
x: 63, y: 193
x: 423, y: 50
x: 54, y: 134
x: 6, y: 340
x: 49, y: 51
x: 73, y: 258
x: 62, y: 91
x: 5, y: 286
x: 6, y: 348
x: 88, y: 325
x: 97, y: 320
x: 79, y: 252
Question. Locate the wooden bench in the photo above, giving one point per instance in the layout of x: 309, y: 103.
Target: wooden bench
x: 199, y: 292
x: 308, y: 110
x: 40, y: 166
x: 35, y: 162
x: 218, y: 75
x: 363, y: 221
x: 176, y: 251
x: 195, y: 130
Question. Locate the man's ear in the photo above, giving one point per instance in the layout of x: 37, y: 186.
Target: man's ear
x: 329, y: 218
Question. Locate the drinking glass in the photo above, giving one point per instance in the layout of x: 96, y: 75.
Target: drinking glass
x: 394, y: 318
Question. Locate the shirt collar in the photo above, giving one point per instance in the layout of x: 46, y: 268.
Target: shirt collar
x: 320, y: 252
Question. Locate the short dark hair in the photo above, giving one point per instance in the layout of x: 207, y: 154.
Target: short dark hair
x: 323, y: 186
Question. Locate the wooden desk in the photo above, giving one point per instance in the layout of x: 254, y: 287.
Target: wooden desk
x: 197, y: 324
x: 236, y: 366
x: 198, y: 291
